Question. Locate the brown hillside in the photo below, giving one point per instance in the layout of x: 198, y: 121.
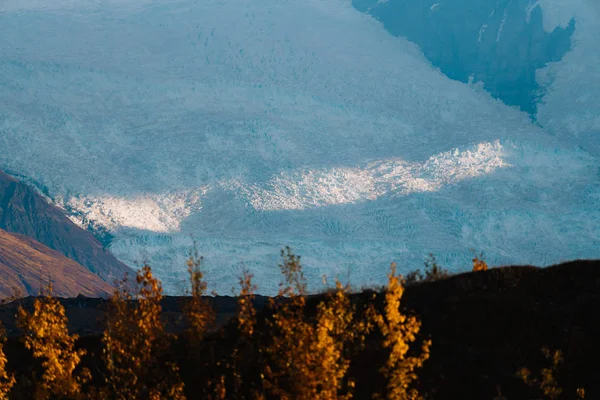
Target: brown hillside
x: 27, y: 265
x: 24, y: 211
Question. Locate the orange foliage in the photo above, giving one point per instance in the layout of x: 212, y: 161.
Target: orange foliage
x: 246, y: 314
x: 286, y: 374
x: 307, y: 359
x: 136, y: 345
x: 244, y: 349
x: 336, y: 329
x: 47, y: 336
x: 399, y: 331
x: 7, y: 380
x: 479, y: 264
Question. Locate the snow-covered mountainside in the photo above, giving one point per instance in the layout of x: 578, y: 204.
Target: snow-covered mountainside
x: 254, y: 125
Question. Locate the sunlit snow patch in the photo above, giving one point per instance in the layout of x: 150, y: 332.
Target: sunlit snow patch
x: 157, y: 213
x: 298, y: 190
x: 313, y: 188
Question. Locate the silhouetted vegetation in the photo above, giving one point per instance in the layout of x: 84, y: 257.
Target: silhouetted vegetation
x: 545, y: 384
x: 433, y: 272
x: 335, y: 345
x: 7, y: 380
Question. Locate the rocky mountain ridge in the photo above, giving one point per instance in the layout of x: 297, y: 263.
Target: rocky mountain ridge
x: 25, y: 212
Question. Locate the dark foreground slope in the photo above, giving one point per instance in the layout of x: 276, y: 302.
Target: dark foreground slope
x: 26, y: 266
x: 24, y: 211
x: 484, y: 327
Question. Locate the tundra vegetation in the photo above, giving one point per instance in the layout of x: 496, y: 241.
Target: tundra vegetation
x: 299, y: 346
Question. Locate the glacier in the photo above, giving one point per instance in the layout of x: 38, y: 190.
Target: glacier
x: 246, y: 126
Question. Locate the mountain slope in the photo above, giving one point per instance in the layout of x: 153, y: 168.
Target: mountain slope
x: 25, y: 212
x: 26, y: 266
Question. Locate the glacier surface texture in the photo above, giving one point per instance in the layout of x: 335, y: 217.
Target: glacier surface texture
x: 357, y: 132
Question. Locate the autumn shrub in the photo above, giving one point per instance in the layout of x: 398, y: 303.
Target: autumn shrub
x: 339, y: 330
x: 307, y: 358
x: 199, y: 315
x: 545, y: 382
x: 399, y: 331
x: 237, y: 379
x: 7, y: 380
x: 246, y: 325
x: 137, y: 346
x: 479, y: 264
x: 246, y: 313
x: 46, y: 335
x: 287, y: 373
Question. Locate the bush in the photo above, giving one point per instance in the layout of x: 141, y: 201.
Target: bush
x: 399, y: 331
x: 545, y: 382
x: 137, y: 346
x: 46, y: 335
x: 479, y: 264
x: 433, y: 272
x: 7, y: 380
x: 307, y: 359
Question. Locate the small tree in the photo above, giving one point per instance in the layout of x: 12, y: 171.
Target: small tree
x: 7, y: 380
x: 198, y: 314
x: 246, y: 313
x: 136, y: 345
x: 307, y: 358
x: 237, y: 364
x: 285, y: 375
x: 479, y: 264
x: 399, y: 331
x: 336, y: 331
x: 46, y: 335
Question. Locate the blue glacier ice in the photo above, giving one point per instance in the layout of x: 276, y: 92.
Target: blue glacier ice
x: 248, y: 126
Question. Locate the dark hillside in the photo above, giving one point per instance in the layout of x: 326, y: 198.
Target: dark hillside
x: 484, y: 327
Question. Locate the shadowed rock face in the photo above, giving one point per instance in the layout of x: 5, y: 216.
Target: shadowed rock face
x: 25, y: 212
x: 26, y: 266
x: 500, y: 43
